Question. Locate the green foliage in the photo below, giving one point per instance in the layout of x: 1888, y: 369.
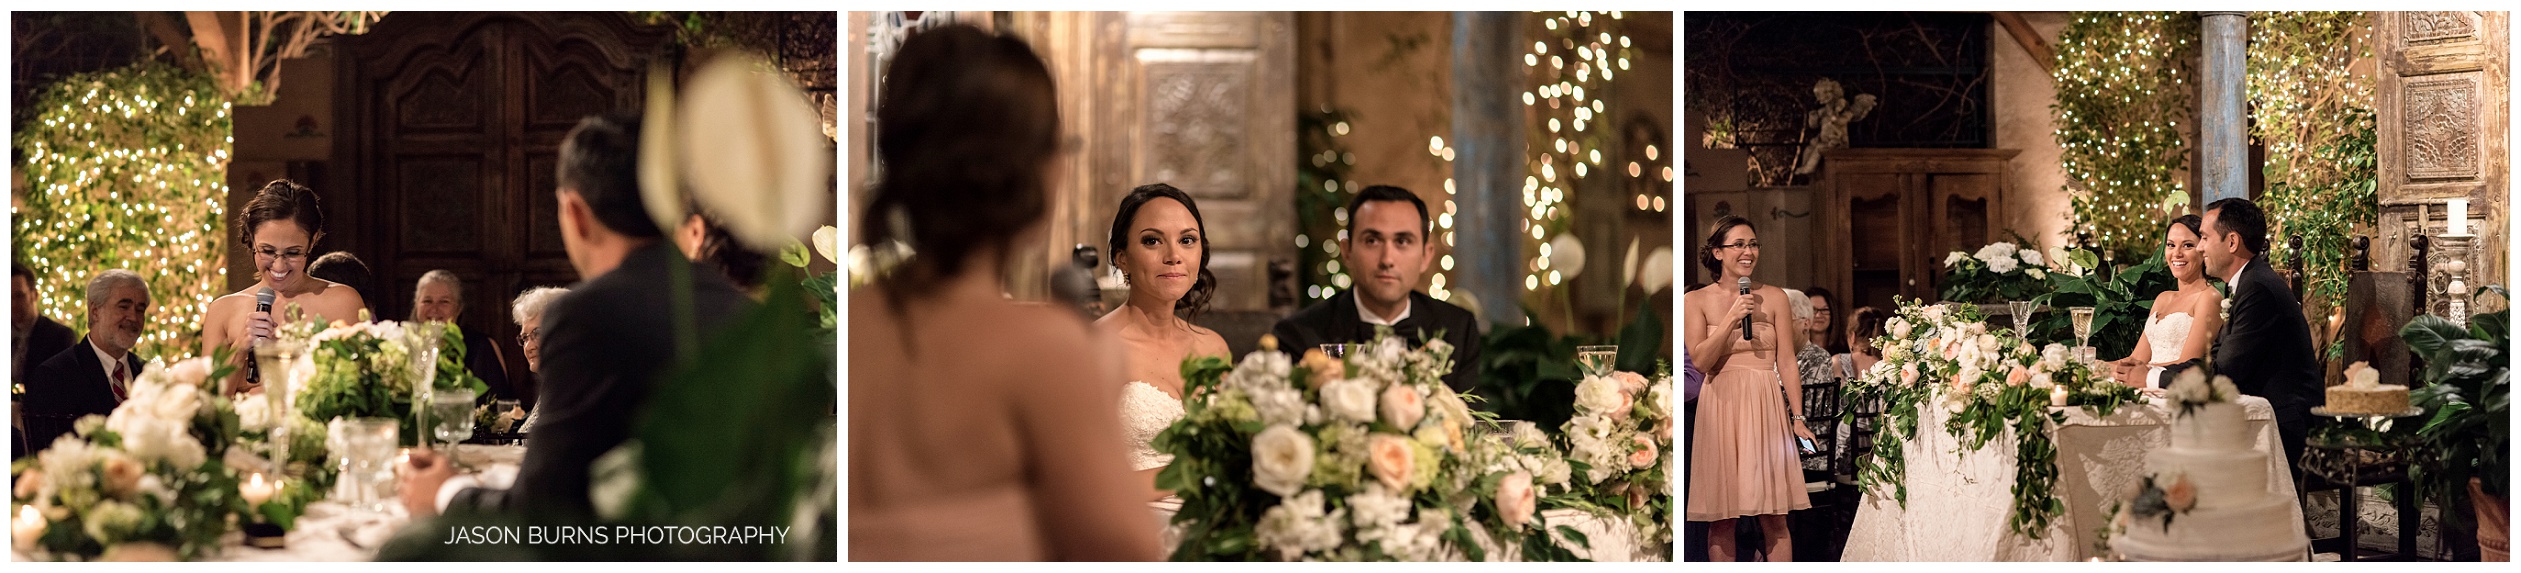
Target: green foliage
x: 2468, y: 393
x: 1322, y: 190
x: 2119, y: 304
x: 2122, y: 97
x: 127, y: 169
x: 1529, y: 373
x: 2313, y: 112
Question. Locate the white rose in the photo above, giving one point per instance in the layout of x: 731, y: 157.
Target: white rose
x: 2030, y: 256
x: 2002, y: 265
x: 1988, y: 345
x: 1403, y: 407
x: 1898, y: 327
x: 2042, y: 380
x: 1955, y: 258
x: 1277, y: 404
x: 1351, y: 400
x: 1281, y: 459
x: 2224, y: 391
x: 2362, y: 375
x: 253, y: 413
x: 2191, y: 387
x: 1597, y: 396
x: 1377, y: 507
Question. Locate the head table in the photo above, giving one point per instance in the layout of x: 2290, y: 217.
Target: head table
x: 1611, y: 539
x: 1958, y: 500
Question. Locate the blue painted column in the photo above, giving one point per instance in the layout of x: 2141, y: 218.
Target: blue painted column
x: 2223, y: 126
x: 1488, y: 163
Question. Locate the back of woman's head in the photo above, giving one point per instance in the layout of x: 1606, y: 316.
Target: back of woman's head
x: 1204, y: 287
x: 966, y: 123
x: 1867, y: 324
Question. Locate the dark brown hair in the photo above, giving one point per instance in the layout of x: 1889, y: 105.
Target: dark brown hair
x: 1833, y: 340
x: 281, y: 200
x: 1201, y: 290
x: 1868, y: 322
x: 1715, y: 238
x: 965, y: 122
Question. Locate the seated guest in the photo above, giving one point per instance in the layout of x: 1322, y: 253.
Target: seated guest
x: 345, y: 268
x: 604, y: 345
x: 1386, y: 251
x: 34, y: 337
x: 528, y: 311
x: 94, y: 375
x: 440, y: 298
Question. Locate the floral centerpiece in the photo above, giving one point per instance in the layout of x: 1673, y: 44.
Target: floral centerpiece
x: 1618, y: 443
x: 1998, y: 272
x: 154, y: 478
x: 1988, y: 382
x: 367, y: 369
x: 1362, y: 459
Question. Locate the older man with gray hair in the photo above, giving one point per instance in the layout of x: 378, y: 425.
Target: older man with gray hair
x: 440, y: 298
x: 95, y: 375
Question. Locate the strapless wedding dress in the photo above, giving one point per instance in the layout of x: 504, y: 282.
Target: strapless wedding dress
x: 2166, y: 335
x: 1144, y: 412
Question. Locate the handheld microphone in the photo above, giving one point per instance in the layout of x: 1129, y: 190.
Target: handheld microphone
x: 1743, y: 286
x: 262, y: 304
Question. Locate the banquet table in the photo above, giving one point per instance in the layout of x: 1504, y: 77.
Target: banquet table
x: 1959, y: 501
x: 1610, y: 540
x: 333, y: 530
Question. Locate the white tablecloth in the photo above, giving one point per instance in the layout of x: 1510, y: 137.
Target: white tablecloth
x: 1960, y: 501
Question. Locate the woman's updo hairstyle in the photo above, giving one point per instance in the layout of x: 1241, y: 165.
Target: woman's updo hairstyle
x: 1715, y: 239
x: 281, y: 200
x: 965, y: 123
x: 1202, y: 290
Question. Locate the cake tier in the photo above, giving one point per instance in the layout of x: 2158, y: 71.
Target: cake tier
x: 2381, y: 399
x: 2264, y: 531
x: 2215, y: 426
x: 2225, y: 479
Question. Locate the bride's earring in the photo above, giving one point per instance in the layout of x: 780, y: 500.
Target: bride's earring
x: 1122, y: 276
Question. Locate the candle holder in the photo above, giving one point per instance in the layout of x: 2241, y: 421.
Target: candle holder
x: 2454, y: 251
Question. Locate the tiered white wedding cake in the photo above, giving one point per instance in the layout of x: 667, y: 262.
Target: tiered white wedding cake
x: 2214, y: 489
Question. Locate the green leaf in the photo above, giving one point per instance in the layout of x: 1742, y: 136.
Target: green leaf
x: 2427, y: 334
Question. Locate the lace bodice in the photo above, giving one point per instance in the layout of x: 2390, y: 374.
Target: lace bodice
x: 1144, y: 412
x: 2167, y: 334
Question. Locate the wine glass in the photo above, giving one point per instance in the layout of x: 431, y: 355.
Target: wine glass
x: 2022, y: 310
x: 2083, y: 325
x: 1337, y: 351
x: 451, y: 411
x: 1596, y: 360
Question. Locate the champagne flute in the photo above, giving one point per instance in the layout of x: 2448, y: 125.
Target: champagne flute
x: 2022, y: 310
x: 2083, y: 325
x: 1596, y: 360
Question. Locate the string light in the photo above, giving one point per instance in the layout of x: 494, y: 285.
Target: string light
x: 111, y: 193
x: 2121, y: 95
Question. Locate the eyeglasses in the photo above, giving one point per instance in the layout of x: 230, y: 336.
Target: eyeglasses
x: 291, y: 254
x: 529, y: 336
x: 1751, y: 245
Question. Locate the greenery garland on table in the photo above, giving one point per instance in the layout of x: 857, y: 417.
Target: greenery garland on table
x: 2314, y: 113
x: 127, y: 168
x: 1989, y: 381
x: 2122, y: 95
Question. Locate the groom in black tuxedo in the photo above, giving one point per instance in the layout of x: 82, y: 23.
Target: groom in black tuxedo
x: 603, y: 345
x: 1386, y: 252
x: 2265, y: 345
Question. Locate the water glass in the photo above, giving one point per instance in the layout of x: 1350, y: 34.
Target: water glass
x: 505, y: 411
x: 1337, y: 351
x: 1596, y: 360
x: 451, y: 415
x: 371, y: 443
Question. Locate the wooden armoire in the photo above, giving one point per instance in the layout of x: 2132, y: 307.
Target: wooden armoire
x: 450, y: 126
x: 1892, y: 214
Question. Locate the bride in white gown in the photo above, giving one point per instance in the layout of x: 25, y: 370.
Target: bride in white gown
x: 1159, y: 244
x: 2183, y: 324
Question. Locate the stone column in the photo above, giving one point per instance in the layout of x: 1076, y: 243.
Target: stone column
x: 2222, y: 124
x: 1488, y: 165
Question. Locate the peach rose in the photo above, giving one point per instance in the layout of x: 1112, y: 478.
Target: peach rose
x: 1403, y: 407
x: 1515, y: 499
x: 2018, y: 377
x: 1643, y: 456
x: 1321, y: 368
x: 1390, y: 459
x: 29, y: 483
x: 2182, y: 494
x: 122, y: 476
x: 1909, y: 374
x: 1630, y: 383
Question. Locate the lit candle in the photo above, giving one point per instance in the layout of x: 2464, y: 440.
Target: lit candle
x: 27, y: 527
x: 256, y: 490
x: 2459, y: 217
x: 2057, y: 396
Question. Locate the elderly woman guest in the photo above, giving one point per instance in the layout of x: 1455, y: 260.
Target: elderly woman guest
x: 440, y: 298
x: 528, y: 312
x: 1812, y: 359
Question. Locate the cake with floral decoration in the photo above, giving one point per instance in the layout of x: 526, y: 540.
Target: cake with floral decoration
x: 2206, y: 497
x: 2364, y: 394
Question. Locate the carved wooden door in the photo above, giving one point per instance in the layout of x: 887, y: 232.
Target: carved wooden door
x: 452, y: 125
x: 2445, y: 113
x: 1204, y: 101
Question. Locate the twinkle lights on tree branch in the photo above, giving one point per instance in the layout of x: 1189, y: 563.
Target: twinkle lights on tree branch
x: 1322, y: 191
x: 1572, y: 68
x: 127, y: 169
x: 2314, y: 115
x: 2122, y: 100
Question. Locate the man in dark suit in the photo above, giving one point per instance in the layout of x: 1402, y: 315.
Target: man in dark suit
x: 36, y: 337
x: 1386, y: 251
x: 603, y: 345
x: 94, y: 375
x: 2265, y: 344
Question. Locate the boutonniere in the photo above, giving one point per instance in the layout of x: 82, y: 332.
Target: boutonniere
x: 2226, y: 314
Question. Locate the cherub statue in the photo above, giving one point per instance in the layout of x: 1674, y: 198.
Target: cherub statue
x: 1832, y: 119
